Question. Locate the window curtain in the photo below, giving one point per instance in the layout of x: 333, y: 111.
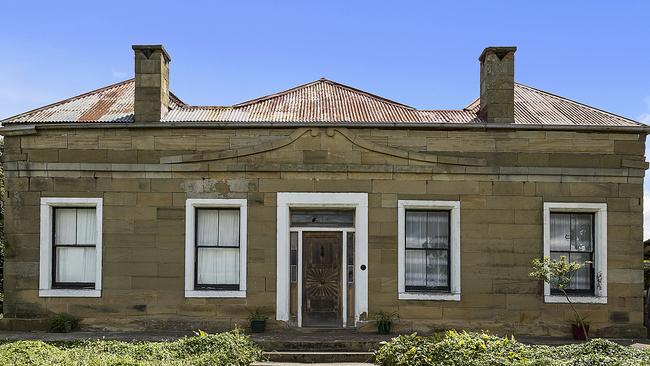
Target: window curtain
x: 572, y: 237
x: 427, y: 230
x: 218, y: 266
x: 416, y: 268
x: 75, y: 226
x: 416, y: 229
x: 75, y: 264
x: 438, y: 229
x: 218, y: 247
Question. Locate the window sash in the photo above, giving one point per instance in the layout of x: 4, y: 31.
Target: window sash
x: 574, y: 246
x: 217, y: 250
x: 82, y: 237
x: 428, y: 242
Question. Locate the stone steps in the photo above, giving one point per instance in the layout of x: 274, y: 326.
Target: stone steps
x: 311, y: 357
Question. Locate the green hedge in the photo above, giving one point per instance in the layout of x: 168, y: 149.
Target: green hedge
x: 230, y: 348
x: 480, y: 349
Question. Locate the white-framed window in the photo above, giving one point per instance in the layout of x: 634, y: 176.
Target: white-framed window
x: 428, y: 255
x: 578, y: 231
x: 215, y: 247
x: 70, y: 247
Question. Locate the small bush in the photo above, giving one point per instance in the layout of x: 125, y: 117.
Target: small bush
x: 229, y: 348
x: 482, y: 349
x: 63, y: 323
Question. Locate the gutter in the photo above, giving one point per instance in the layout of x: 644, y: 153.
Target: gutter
x: 26, y: 129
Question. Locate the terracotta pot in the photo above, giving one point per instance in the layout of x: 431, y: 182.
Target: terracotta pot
x: 258, y: 326
x: 578, y: 333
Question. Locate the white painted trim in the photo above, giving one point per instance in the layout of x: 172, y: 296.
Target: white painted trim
x: 358, y: 201
x: 454, y: 208
x: 559, y: 299
x: 70, y: 293
x: 214, y: 293
x: 344, y: 278
x: 600, y: 255
x: 190, y: 217
x: 45, y: 265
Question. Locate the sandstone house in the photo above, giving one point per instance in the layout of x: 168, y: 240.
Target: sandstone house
x: 131, y: 209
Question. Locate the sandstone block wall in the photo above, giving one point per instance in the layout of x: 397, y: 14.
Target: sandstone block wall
x: 501, y: 178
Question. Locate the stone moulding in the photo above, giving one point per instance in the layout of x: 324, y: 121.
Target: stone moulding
x: 437, y: 171
x: 355, y: 140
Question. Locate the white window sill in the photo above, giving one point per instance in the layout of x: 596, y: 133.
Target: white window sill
x: 69, y: 293
x: 559, y: 299
x: 215, y: 294
x: 428, y: 296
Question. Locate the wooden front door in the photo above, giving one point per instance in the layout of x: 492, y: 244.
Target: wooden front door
x: 321, y: 295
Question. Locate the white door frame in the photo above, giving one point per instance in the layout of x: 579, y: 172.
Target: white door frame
x: 287, y: 200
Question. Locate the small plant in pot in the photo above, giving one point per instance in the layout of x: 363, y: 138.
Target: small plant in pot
x: 63, y: 323
x: 257, y: 318
x: 580, y: 328
x: 557, y: 273
x: 385, y: 321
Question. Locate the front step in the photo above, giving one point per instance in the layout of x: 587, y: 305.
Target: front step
x: 318, y: 357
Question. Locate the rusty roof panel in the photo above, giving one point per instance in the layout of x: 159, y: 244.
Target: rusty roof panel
x: 321, y: 101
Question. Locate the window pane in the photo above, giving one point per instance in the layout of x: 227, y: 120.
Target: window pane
x: 207, y: 232
x: 75, y: 264
x: 322, y: 218
x: 65, y: 230
x: 581, y: 280
x: 86, y: 223
x: 416, y: 229
x: 293, y: 251
x: 416, y: 267
x: 437, y: 267
x: 560, y: 231
x: 438, y: 229
x: 350, y: 256
x: 218, y: 266
x: 583, y: 232
x: 229, y: 228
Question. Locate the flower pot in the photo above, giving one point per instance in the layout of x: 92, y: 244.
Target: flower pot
x: 578, y: 333
x: 258, y: 326
x: 384, y: 327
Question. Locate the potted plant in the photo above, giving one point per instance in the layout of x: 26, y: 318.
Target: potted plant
x: 580, y: 329
x: 385, y: 321
x: 257, y: 319
x: 557, y: 273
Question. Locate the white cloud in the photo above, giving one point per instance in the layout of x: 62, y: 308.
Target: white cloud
x: 117, y: 74
x: 645, y: 117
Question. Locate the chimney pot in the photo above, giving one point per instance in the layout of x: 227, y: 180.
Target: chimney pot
x: 151, y: 83
x: 497, y: 98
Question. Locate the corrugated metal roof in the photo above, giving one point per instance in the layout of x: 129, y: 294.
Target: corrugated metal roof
x: 113, y: 103
x: 537, y: 107
x: 321, y: 101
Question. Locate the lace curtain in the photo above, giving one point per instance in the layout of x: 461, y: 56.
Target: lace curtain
x: 217, y: 247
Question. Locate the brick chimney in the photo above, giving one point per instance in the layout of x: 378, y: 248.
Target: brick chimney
x: 151, y: 83
x: 498, y: 84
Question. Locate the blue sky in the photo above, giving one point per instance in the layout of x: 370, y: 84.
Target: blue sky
x: 420, y: 53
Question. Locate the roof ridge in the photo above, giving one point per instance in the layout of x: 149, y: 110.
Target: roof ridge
x: 552, y: 95
x: 321, y: 80
x: 70, y: 99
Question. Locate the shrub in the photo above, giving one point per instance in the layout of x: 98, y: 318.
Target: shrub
x: 63, y: 323
x: 230, y: 348
x: 482, y: 349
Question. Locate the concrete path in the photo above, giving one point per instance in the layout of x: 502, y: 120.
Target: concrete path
x: 313, y: 364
